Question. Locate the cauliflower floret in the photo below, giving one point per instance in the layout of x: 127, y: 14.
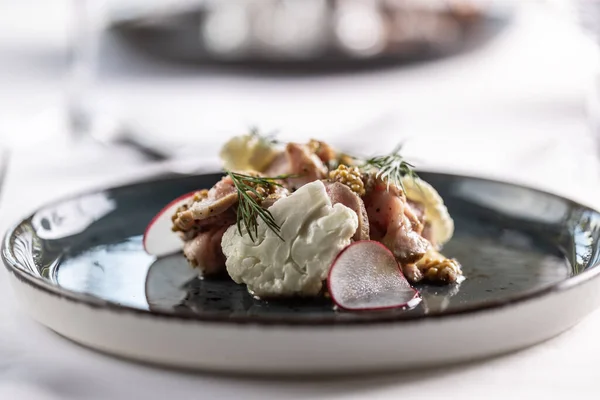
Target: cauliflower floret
x: 314, y: 232
x: 436, y: 213
x: 248, y: 152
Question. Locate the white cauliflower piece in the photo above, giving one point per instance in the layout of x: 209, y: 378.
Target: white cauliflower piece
x: 419, y: 191
x: 314, y: 232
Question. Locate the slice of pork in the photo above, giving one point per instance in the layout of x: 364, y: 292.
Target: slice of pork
x: 300, y: 161
x: 340, y: 193
x: 220, y: 198
x: 225, y: 219
x: 205, y: 253
x: 417, y: 211
x: 423, y: 226
x: 395, y: 223
x: 407, y: 245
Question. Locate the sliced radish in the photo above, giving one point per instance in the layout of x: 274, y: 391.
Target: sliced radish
x: 159, y: 239
x: 366, y: 276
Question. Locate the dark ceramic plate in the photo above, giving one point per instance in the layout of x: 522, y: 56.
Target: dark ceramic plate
x: 513, y: 243
x: 187, y: 37
x: 516, y: 245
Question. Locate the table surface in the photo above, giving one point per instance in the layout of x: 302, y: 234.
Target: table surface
x: 513, y: 110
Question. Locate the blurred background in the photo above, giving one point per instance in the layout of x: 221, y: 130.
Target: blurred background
x: 490, y: 87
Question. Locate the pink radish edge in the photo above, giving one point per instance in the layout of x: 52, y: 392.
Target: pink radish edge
x: 162, y: 211
x: 416, y: 292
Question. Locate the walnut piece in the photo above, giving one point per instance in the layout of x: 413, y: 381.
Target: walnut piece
x: 434, y: 267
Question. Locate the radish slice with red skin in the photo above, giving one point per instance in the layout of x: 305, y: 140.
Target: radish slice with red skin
x: 159, y: 239
x: 366, y: 276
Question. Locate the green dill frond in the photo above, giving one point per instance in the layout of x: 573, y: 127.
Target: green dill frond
x: 249, y: 199
x: 391, y: 168
x: 269, y: 138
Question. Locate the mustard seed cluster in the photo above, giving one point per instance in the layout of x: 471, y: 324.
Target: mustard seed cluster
x: 349, y: 176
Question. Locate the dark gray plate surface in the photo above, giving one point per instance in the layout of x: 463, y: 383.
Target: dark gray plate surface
x: 514, y: 243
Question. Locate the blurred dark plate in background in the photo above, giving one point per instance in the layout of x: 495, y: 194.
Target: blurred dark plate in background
x: 311, y: 35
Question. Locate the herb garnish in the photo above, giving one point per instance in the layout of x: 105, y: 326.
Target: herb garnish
x: 391, y: 167
x: 268, y: 139
x: 249, y: 198
x: 252, y: 190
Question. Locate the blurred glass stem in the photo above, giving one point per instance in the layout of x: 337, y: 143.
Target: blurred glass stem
x: 4, y: 160
x: 587, y: 14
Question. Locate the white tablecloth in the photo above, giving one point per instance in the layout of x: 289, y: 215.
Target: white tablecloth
x: 513, y: 110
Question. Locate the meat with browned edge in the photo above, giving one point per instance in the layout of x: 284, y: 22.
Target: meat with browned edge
x: 202, y: 224
x: 340, y: 193
x: 301, y: 162
x: 204, y: 251
x: 220, y: 198
x: 395, y: 223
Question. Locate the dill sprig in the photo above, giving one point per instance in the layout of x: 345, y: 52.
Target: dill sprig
x: 249, y: 198
x: 391, y: 168
x: 265, y: 138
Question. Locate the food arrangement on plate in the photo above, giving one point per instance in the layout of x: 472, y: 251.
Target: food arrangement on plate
x: 305, y: 220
